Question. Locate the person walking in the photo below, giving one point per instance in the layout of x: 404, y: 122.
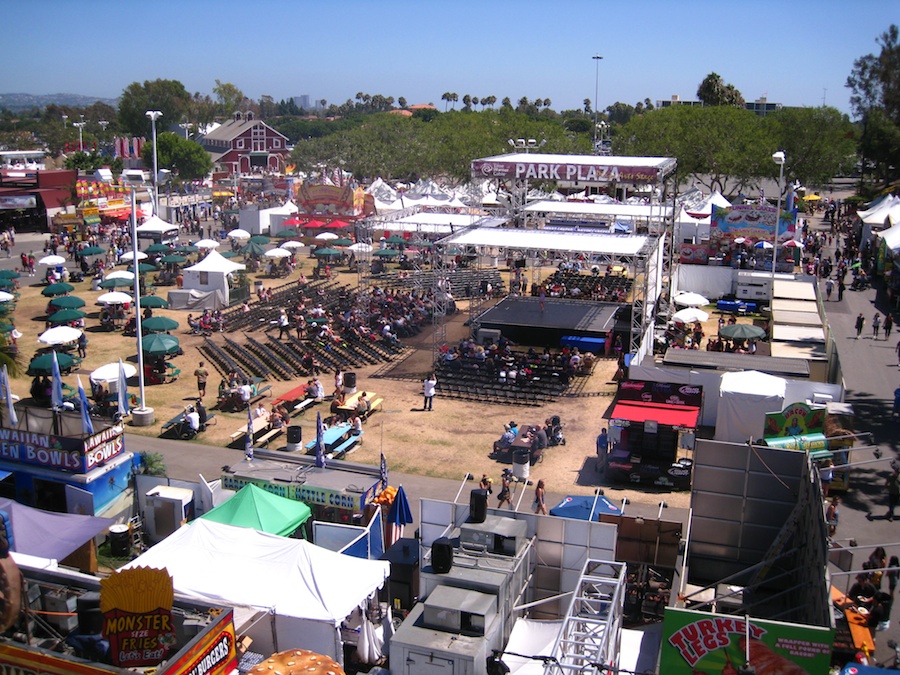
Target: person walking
x: 893, y: 489
x: 202, y: 375
x: 82, y: 345
x: 831, y: 515
x: 860, y: 323
x: 841, y: 288
x: 829, y: 287
x: 504, y: 497
x: 876, y: 325
x: 283, y: 325
x: 428, y: 389
x: 888, y: 326
x: 602, y: 450
x: 539, y: 494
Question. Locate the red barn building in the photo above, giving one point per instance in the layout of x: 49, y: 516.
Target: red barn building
x: 245, y: 144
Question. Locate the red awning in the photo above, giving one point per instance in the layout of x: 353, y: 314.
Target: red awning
x: 663, y: 413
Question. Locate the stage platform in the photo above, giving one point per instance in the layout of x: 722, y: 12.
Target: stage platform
x: 520, y: 319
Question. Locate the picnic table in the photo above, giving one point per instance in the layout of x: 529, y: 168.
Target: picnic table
x: 338, y: 440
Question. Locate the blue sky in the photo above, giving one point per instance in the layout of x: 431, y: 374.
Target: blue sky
x: 793, y: 52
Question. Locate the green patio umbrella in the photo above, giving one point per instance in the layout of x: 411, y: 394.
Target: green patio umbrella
x: 43, y: 364
x: 66, y: 316
x: 259, y: 239
x: 173, y: 258
x: 59, y: 288
x: 143, y: 268
x: 67, y: 302
x: 159, y: 345
x: 253, y: 249
x: 186, y: 248
x: 343, y: 241
x: 387, y: 253
x: 229, y: 254
x: 286, y: 233
x: 742, y: 331
x: 154, y: 302
x: 159, y: 324
x: 327, y: 253
x: 423, y: 243
x: 6, y: 327
x: 90, y: 250
x: 396, y: 239
x: 118, y: 282
x: 7, y: 283
x: 157, y: 248
x: 9, y: 274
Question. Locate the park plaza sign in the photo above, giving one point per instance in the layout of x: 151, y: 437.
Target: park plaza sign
x: 74, y: 455
x: 564, y: 171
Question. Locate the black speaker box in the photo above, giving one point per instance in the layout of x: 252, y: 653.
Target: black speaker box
x: 478, y: 501
x: 441, y: 555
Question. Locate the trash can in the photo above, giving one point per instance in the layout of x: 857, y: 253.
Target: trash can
x: 119, y: 541
x: 522, y: 463
x: 350, y: 383
x: 294, y: 438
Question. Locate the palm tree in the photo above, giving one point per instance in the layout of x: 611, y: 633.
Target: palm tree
x: 454, y: 97
x: 445, y: 97
x: 401, y: 101
x: 475, y: 100
x: 506, y: 102
x: 546, y: 102
x: 587, y: 106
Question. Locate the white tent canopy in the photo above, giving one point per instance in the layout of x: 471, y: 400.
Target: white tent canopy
x: 891, y: 237
x: 640, y: 211
x: 210, y: 275
x: 547, y: 240
x: 744, y: 399
x: 215, y: 262
x: 155, y: 226
x: 309, y: 589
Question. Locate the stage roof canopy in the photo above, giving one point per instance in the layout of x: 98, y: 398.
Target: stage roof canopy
x: 592, y: 209
x: 544, y: 240
x: 590, y: 169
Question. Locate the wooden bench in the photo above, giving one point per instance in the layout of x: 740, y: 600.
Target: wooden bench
x: 345, y: 447
x: 259, y: 423
x: 303, y: 405
x: 269, y: 435
x: 260, y: 394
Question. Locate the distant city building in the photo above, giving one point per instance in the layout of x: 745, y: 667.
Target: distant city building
x: 303, y: 102
x: 760, y: 106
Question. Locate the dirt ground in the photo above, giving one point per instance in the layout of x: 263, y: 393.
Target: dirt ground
x: 450, y: 442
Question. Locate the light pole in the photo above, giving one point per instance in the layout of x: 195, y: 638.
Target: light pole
x: 778, y: 158
x: 65, y: 118
x: 80, y: 127
x: 154, y: 115
x: 141, y: 416
x: 186, y: 126
x: 597, y: 59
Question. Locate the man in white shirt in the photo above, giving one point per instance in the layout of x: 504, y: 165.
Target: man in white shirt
x: 246, y: 392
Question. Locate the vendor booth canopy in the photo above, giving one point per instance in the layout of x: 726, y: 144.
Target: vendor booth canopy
x: 662, y: 413
x: 744, y: 399
x: 261, y: 510
x: 49, y: 535
x: 585, y: 507
x: 309, y: 589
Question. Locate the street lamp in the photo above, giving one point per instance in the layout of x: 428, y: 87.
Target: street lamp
x: 185, y: 126
x: 65, y: 119
x: 778, y: 158
x: 597, y: 59
x: 154, y: 115
x: 80, y: 127
x: 103, y: 124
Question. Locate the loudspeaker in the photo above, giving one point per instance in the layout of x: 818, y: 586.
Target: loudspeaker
x: 478, y: 501
x: 441, y: 555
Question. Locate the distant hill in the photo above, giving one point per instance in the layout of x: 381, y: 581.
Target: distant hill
x: 28, y: 101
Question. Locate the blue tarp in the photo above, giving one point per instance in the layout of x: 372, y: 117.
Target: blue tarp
x: 50, y: 535
x: 579, y: 507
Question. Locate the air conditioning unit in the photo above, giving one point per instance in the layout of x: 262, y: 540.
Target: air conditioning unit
x: 134, y: 176
x: 822, y: 399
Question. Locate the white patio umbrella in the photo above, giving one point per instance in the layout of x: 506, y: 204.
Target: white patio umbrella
x: 292, y: 244
x: 690, y: 300
x: 360, y: 247
x: 278, y: 253
x: 59, y: 335
x: 690, y: 315
x: 207, y: 243
x: 120, y: 274
x: 239, y: 234
x: 6, y: 297
x: 325, y: 236
x: 115, y: 298
x: 130, y: 254
x: 52, y: 260
x: 110, y: 372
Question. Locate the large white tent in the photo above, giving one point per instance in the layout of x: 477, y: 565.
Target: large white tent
x: 156, y: 229
x: 309, y: 589
x: 210, y: 275
x: 744, y: 399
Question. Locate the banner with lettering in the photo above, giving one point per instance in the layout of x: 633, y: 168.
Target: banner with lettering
x: 62, y: 452
x: 699, y: 642
x: 213, y: 653
x: 660, y: 392
x: 539, y: 168
x: 795, y: 420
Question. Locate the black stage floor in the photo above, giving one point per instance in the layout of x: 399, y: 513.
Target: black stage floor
x: 520, y: 319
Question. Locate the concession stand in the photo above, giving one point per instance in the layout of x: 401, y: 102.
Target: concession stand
x: 339, y: 492
x: 652, y: 432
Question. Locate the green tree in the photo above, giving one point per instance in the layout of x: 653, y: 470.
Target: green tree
x: 713, y: 91
x: 874, y: 84
x: 401, y: 102
x: 817, y: 142
x: 229, y: 98
x: 167, y: 96
x: 185, y: 158
x: 91, y: 161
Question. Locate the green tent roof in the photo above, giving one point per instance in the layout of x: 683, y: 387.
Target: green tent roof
x: 255, y: 508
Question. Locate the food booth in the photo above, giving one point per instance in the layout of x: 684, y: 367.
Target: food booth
x: 652, y: 431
